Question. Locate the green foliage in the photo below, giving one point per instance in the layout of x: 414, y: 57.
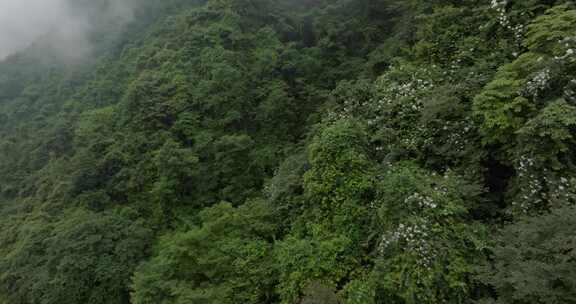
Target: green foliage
x: 326, y: 235
x: 317, y: 294
x: 84, y: 258
x: 527, y: 115
x: 364, y: 149
x: 533, y: 260
x: 341, y: 172
x: 360, y: 291
x: 427, y: 243
x: 502, y: 107
x: 521, y: 88
x: 318, y: 258
x: 225, y: 260
x: 553, y: 125
x: 547, y: 33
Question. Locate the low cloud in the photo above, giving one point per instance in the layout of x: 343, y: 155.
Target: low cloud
x: 63, y: 26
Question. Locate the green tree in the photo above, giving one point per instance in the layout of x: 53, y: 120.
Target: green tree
x: 533, y: 260
x: 325, y: 242
x: 225, y: 260
x: 84, y: 258
x: 427, y: 243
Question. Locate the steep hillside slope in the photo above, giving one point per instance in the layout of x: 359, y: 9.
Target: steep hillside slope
x: 305, y: 151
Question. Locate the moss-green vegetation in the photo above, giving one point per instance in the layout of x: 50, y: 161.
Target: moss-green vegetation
x: 292, y: 151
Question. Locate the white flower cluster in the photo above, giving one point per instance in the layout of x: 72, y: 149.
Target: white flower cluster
x: 410, y: 140
x: 403, y: 101
x: 562, y: 191
x: 413, y: 238
x: 524, y: 165
x: 531, y: 186
x: 442, y: 190
x: 537, y: 84
x: 346, y: 110
x: 570, y: 91
x: 420, y: 201
x: 500, y: 7
x: 539, y: 186
x: 495, y: 4
x: 518, y: 30
x: 569, y: 46
x: 504, y: 21
x: 333, y: 116
x: 458, y: 139
x: 403, y: 94
x: 395, y: 99
x: 455, y: 134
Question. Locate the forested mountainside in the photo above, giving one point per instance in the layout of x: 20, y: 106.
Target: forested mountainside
x: 295, y: 151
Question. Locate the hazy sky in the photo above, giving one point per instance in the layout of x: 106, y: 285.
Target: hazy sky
x: 24, y: 21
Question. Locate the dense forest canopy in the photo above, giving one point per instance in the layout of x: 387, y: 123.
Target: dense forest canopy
x: 293, y: 151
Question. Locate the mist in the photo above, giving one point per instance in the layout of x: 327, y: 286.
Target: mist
x: 62, y: 27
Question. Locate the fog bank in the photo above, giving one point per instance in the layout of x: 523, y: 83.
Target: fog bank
x: 62, y: 25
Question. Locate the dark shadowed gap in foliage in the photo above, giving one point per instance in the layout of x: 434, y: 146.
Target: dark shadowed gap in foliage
x: 497, y: 177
